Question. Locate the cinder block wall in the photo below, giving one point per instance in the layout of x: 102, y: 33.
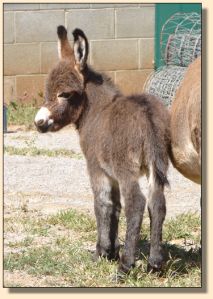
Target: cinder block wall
x: 121, y: 43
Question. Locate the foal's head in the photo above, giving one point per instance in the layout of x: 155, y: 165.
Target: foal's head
x: 64, y: 94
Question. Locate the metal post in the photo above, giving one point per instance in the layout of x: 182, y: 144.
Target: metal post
x: 5, y: 119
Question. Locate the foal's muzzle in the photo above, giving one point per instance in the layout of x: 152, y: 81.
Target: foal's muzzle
x: 42, y: 121
x: 42, y: 126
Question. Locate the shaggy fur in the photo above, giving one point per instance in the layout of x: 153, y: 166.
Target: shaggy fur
x: 122, y: 139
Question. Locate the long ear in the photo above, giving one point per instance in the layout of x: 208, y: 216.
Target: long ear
x: 64, y: 49
x: 81, y: 49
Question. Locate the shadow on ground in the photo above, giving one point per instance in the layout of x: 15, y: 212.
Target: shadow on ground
x: 178, y: 260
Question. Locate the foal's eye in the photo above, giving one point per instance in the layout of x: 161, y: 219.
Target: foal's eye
x: 65, y: 95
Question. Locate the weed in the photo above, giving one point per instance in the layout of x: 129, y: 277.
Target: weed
x: 34, y: 151
x: 22, y: 114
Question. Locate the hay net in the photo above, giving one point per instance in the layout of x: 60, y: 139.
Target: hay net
x: 180, y: 45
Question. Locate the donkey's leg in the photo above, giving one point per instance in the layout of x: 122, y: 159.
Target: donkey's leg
x: 134, y: 209
x: 107, y: 211
x: 157, y: 212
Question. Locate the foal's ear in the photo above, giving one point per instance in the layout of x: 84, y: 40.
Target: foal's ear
x: 64, y: 49
x: 81, y: 49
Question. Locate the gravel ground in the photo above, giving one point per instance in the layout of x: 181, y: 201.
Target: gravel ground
x: 50, y: 184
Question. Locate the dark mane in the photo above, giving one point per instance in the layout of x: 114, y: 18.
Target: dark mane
x: 99, y: 79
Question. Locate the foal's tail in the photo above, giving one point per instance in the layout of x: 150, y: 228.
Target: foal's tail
x: 159, y: 157
x: 160, y: 173
x: 156, y: 137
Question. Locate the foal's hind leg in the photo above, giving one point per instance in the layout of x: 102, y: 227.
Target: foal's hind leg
x: 134, y: 209
x: 107, y: 211
x: 157, y: 212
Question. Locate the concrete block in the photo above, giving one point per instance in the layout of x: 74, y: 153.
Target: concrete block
x: 110, y: 75
x: 132, y: 81
x: 64, y: 5
x: 147, y: 4
x: 135, y: 22
x: 37, y: 26
x: 147, y: 53
x: 107, y: 5
x: 8, y: 27
x: 97, y: 24
x: 49, y: 56
x: 21, y: 59
x: 9, y: 89
x: 21, y: 6
x: 30, y: 87
x: 112, y: 55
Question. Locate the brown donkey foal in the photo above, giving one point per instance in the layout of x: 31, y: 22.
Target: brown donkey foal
x: 122, y: 139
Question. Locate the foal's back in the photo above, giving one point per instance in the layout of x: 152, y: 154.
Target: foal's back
x: 129, y: 133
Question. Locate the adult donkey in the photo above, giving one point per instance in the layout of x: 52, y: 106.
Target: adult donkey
x: 121, y: 137
x: 186, y: 124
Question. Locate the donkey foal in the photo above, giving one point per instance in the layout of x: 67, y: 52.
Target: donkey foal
x: 121, y: 137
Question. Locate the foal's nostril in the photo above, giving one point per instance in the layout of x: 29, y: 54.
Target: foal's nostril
x: 40, y: 123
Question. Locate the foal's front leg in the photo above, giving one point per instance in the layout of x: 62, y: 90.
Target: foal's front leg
x: 107, y: 211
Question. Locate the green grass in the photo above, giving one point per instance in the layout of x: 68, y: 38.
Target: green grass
x: 24, y: 243
x: 75, y: 220
x: 35, y: 226
x: 188, y: 226
x: 68, y: 258
x: 42, y: 260
x: 34, y: 151
x: 81, y: 223
x: 22, y: 114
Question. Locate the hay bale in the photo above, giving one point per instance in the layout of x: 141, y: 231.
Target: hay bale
x: 164, y: 82
x: 180, y: 45
x: 181, y: 39
x: 182, y: 49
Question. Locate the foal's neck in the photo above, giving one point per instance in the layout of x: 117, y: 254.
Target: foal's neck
x: 99, y: 92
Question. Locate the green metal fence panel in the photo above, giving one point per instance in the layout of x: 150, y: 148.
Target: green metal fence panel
x: 163, y: 12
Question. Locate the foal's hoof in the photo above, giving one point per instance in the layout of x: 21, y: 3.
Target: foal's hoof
x: 124, y: 269
x: 119, y: 277
x: 95, y: 257
x: 155, y: 265
x: 109, y: 256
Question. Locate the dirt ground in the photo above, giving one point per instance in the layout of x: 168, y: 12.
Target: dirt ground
x: 49, y: 184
